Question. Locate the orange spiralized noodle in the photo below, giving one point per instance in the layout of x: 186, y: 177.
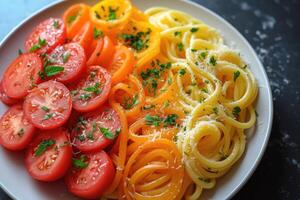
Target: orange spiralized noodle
x: 154, y: 171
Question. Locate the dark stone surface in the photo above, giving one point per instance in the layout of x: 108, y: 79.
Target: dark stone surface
x: 271, y: 26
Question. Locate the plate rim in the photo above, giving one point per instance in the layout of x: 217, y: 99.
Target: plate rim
x: 245, y: 41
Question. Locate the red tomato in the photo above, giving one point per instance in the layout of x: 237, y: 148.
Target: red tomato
x: 49, y: 155
x: 70, y: 56
x: 22, y: 75
x: 92, y: 91
x: 96, y: 130
x: 49, y: 105
x: 6, y: 99
x: 92, y: 177
x: 15, y: 130
x: 46, y: 36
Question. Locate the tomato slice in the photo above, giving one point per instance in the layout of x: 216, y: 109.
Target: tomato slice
x: 91, y: 91
x: 90, y: 175
x: 15, y: 130
x: 74, y: 18
x: 46, y: 36
x: 6, y: 99
x: 96, y: 130
x: 22, y: 75
x: 49, y: 155
x: 122, y: 64
x: 72, y: 58
x: 49, y: 105
x: 103, y: 52
x: 84, y: 36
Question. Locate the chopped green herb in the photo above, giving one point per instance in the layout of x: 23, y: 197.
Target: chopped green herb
x: 80, y: 163
x: 193, y: 50
x: 215, y: 110
x: 166, y: 103
x: 153, y: 120
x: 20, y: 52
x: 180, y: 46
x: 90, y: 136
x: 204, y: 90
x: 202, y: 55
x: 206, y: 81
x: 112, y: 14
x: 129, y: 103
x: 40, y: 44
x: 245, y: 66
x: 52, y: 70
x: 118, y: 130
x: 170, y: 120
x: 48, y: 116
x: 177, y: 33
x: 41, y: 75
x: 95, y: 89
x: 81, y: 138
x: 85, y: 96
x: 182, y: 72
x: 66, y: 56
x: 170, y: 81
x: 97, y: 15
x: 175, y: 138
x: 71, y: 19
x: 74, y: 92
x: 56, y: 24
x: 42, y: 147
x: 193, y: 30
x: 97, y: 33
x: 213, y: 60
x: 107, y: 133
x: 236, y: 111
x: 46, y: 109
x: 206, y: 180
x: 138, y: 41
x: 236, y: 74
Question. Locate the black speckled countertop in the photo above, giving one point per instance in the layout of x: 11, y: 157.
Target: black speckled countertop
x: 272, y: 28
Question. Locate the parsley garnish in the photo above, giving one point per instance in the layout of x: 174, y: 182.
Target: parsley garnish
x: 71, y: 19
x: 41, y: 75
x: 236, y: 74
x: 236, y: 111
x: 112, y: 14
x: 40, y: 44
x: 45, y: 108
x: 194, y: 50
x: 215, y: 110
x: 170, y: 120
x: 213, y: 60
x: 90, y: 136
x: 177, y: 33
x: 182, y: 72
x: 43, y: 146
x: 97, y: 15
x: 95, y: 89
x: 52, y: 70
x: 66, y: 56
x: 97, y: 33
x: 48, y: 116
x: 56, y: 24
x: 129, y: 103
x: 202, y: 55
x: 138, y: 41
x: 107, y: 133
x: 153, y: 120
x: 85, y: 96
x: 193, y: 30
x: 80, y: 163
x: 180, y: 46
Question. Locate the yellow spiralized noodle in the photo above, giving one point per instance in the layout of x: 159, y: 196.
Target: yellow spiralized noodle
x: 187, y: 105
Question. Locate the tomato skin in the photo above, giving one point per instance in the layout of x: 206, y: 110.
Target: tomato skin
x: 96, y: 74
x: 99, y: 175
x: 54, y: 96
x: 41, y: 167
x: 6, y: 99
x: 84, y: 37
x: 46, y: 30
x: 22, y: 75
x: 91, y: 122
x: 74, y: 65
x: 15, y: 137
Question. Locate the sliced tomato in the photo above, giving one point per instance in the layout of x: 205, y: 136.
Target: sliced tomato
x: 72, y: 58
x: 49, y: 105
x: 84, y: 36
x: 15, y: 130
x: 91, y: 91
x: 90, y: 175
x: 49, y: 155
x: 22, y: 75
x: 122, y: 64
x: 96, y: 130
x: 103, y: 52
x: 74, y: 18
x: 46, y: 36
x: 6, y: 99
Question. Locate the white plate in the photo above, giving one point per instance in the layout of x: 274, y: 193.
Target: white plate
x: 19, y: 185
